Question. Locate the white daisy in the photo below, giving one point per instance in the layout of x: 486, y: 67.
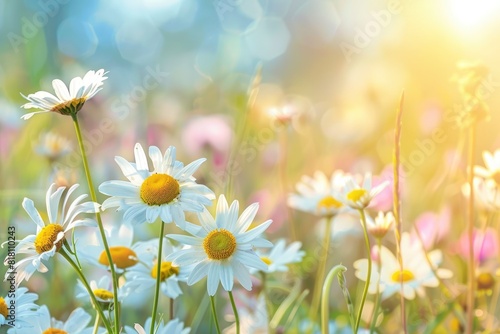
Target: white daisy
x: 319, y: 195
x: 102, y: 289
x: 486, y: 193
x: 143, y: 276
x: 280, y: 256
x: 174, y: 326
x: 17, y: 308
x: 66, y: 102
x: 166, y: 192
x: 381, y: 225
x: 359, y: 196
x: 492, y: 170
x: 123, y: 252
x: 52, y: 146
x: 253, y: 316
x: 49, y: 237
x: 416, y: 273
x: 222, y: 248
x: 43, y: 323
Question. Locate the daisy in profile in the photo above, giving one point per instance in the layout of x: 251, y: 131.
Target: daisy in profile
x: 174, y: 326
x: 416, y: 274
x: 43, y: 323
x: 143, y: 276
x: 102, y: 289
x: 223, y: 248
x: 359, y: 195
x: 379, y: 226
x: 492, y: 170
x: 319, y: 195
x: 66, y: 101
x: 49, y: 238
x: 24, y: 308
x: 281, y: 256
x: 166, y: 192
x: 254, y: 318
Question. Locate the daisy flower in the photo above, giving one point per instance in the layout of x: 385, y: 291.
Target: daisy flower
x: 17, y: 308
x: 381, y: 225
x: 174, y: 326
x: 143, y: 276
x: 53, y: 146
x: 166, y: 192
x: 487, y: 193
x: 49, y: 237
x: 492, y: 170
x: 103, y: 290
x: 253, y: 316
x: 280, y: 256
x: 66, y: 102
x: 319, y: 195
x: 123, y: 252
x: 359, y: 196
x: 43, y: 323
x: 222, y: 248
x: 416, y: 273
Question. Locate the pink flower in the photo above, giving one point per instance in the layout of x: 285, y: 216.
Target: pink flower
x: 432, y: 226
x: 384, y: 200
x: 212, y: 132
x: 485, y: 245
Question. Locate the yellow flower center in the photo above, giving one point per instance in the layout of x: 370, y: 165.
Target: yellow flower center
x: 329, y: 202
x: 45, y: 239
x: 402, y: 276
x: 123, y: 257
x: 3, y: 308
x: 54, y: 331
x: 485, y: 281
x: 166, y: 270
x: 266, y: 260
x: 69, y: 107
x: 103, y: 294
x: 159, y: 189
x: 219, y: 244
x: 356, y: 194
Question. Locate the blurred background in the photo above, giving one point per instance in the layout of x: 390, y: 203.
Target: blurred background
x: 180, y: 72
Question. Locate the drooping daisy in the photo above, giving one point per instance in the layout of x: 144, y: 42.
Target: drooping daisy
x: 492, y: 170
x: 223, y: 248
x: 280, y: 256
x: 119, y: 238
x: 359, y: 196
x: 381, y: 225
x: 66, y: 102
x: 174, y: 326
x: 166, y: 192
x: 52, y: 146
x: 254, y: 318
x: 17, y: 308
x: 44, y: 324
x: 319, y: 195
x: 416, y: 274
x: 143, y: 276
x: 49, y: 237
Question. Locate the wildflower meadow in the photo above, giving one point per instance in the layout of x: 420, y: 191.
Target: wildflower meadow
x: 249, y: 166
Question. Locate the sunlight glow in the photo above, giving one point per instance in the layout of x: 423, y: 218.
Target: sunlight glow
x: 471, y: 13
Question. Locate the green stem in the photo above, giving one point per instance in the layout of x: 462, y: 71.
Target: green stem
x: 369, y: 274
x: 158, y: 277
x: 96, y: 324
x: 470, y: 231
x: 171, y: 309
x: 89, y: 289
x: 335, y: 271
x: 321, y: 272
x: 377, y: 296
x: 214, y: 313
x: 99, y: 222
x: 235, y: 312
